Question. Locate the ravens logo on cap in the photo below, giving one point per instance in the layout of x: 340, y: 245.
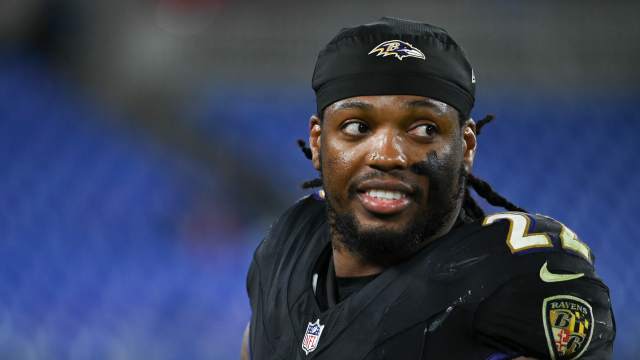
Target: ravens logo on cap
x: 398, y: 48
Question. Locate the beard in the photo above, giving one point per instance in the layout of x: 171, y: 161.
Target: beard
x: 386, y: 247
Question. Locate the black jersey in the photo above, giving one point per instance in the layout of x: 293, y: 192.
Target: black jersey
x: 512, y: 285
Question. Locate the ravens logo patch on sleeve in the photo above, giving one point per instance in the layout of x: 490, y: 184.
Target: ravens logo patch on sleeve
x: 568, y: 326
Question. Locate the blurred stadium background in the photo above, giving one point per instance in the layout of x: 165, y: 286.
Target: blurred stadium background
x: 147, y: 145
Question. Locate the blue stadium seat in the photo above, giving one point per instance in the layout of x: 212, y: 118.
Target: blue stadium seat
x: 112, y: 246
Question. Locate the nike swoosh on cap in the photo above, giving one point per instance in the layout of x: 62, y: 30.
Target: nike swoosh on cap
x: 548, y: 276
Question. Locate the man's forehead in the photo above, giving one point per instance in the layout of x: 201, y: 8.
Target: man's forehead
x: 381, y: 101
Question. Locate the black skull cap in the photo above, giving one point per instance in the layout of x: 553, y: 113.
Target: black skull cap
x: 394, y: 57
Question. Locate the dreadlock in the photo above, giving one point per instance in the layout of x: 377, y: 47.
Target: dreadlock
x: 469, y: 206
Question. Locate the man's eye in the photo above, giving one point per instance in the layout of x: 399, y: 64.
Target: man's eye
x: 424, y: 130
x: 355, y: 128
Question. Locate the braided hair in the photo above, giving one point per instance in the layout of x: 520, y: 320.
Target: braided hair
x: 470, y: 207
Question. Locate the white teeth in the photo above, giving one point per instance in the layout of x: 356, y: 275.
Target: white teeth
x: 386, y: 195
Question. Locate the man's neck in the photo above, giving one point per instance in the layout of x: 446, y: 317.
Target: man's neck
x: 350, y: 264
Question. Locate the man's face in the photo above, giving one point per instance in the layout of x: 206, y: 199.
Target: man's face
x: 392, y: 170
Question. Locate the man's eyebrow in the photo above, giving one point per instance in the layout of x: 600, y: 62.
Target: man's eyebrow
x: 354, y: 104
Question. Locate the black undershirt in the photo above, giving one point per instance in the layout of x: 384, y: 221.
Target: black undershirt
x: 350, y: 285
x: 331, y: 289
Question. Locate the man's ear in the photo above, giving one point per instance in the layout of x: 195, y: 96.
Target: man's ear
x: 469, y: 143
x: 315, y: 130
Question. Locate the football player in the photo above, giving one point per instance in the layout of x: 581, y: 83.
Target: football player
x: 393, y: 258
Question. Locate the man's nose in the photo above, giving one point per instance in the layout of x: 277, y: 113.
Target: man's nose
x: 387, y: 152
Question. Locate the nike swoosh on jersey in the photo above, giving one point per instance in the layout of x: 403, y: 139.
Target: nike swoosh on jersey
x: 548, y: 276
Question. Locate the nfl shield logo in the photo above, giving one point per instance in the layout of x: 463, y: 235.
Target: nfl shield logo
x: 312, y: 336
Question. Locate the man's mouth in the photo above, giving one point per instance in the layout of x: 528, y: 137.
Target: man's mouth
x: 384, y: 197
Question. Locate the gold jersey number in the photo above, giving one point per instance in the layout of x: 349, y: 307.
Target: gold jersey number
x: 519, y: 238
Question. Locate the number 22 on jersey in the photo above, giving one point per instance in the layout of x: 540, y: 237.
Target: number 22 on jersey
x: 519, y: 238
